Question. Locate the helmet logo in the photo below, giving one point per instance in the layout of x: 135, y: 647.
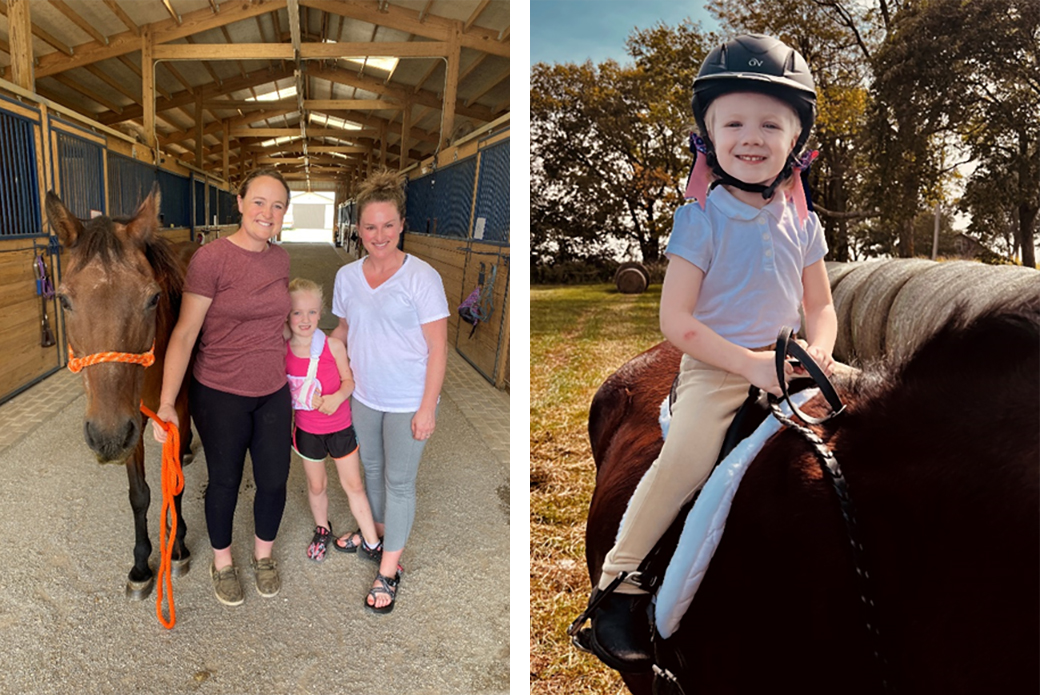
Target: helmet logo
x: 755, y: 62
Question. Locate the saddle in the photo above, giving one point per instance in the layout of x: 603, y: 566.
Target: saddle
x: 754, y: 410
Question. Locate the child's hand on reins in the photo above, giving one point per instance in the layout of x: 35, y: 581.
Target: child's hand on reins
x: 762, y: 372
x: 822, y: 358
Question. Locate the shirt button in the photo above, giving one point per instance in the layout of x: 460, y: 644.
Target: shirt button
x: 769, y: 253
x: 765, y: 236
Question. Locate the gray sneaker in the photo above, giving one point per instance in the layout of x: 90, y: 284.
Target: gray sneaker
x: 226, y: 585
x: 268, y: 583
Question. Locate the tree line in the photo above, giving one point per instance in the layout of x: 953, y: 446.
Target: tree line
x: 927, y: 110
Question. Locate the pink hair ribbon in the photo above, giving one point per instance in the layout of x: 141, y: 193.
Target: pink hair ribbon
x: 700, y: 177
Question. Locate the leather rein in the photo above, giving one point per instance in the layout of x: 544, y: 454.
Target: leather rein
x: 786, y: 347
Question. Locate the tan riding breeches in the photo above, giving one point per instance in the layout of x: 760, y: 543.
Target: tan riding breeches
x: 707, y: 398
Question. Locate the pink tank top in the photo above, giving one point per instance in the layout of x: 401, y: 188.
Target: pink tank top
x: 328, y: 376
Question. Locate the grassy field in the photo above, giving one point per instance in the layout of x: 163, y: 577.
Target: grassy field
x: 579, y: 336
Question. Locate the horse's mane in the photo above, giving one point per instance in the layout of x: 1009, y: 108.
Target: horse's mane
x: 973, y: 386
x: 98, y: 240
x: 970, y: 345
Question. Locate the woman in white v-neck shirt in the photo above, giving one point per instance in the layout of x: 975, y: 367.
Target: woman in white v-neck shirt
x: 393, y: 317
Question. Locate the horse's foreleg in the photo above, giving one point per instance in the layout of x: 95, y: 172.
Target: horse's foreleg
x: 180, y: 561
x: 140, y: 581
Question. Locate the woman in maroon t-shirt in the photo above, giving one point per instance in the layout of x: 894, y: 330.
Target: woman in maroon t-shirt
x: 235, y: 302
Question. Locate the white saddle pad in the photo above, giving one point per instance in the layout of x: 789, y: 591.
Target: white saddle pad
x: 707, y: 520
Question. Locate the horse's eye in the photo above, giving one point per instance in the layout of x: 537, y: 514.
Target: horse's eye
x: 65, y: 303
x: 154, y: 301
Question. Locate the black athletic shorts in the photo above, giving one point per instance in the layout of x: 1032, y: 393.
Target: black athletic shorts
x: 317, y: 446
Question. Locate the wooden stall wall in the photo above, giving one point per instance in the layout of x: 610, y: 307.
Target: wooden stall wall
x: 24, y: 360
x: 463, y: 263
x: 459, y: 263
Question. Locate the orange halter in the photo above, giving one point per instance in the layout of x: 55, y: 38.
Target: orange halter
x: 172, y: 476
x: 145, y: 359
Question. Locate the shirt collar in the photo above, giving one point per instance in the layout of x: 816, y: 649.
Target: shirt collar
x: 731, y: 207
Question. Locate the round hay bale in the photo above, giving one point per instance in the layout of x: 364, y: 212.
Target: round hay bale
x: 844, y: 294
x: 836, y: 271
x: 927, y: 300
x: 632, y: 278
x: 868, y: 317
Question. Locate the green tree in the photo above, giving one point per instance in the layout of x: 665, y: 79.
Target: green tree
x: 609, y: 141
x: 1001, y: 86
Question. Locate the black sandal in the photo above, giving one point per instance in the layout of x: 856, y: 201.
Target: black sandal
x: 374, y: 554
x: 387, y: 587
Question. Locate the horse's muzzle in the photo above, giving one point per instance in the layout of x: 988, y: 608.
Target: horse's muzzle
x: 112, y: 446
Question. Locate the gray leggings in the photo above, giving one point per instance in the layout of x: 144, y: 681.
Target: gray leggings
x: 390, y: 456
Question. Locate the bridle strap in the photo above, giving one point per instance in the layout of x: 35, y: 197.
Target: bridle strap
x: 786, y: 345
x: 145, y: 359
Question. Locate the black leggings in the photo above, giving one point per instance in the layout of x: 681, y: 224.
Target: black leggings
x: 229, y: 425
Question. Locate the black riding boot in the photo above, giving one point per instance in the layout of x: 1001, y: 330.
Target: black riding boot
x: 621, y: 632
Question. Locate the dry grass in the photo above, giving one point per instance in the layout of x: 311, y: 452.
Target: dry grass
x: 579, y: 336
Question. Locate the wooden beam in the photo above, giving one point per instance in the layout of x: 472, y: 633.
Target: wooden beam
x: 494, y: 82
x: 177, y: 75
x: 112, y: 82
x: 406, y: 128
x: 225, y: 154
x: 198, y: 130
x: 401, y: 94
x: 148, y: 85
x: 80, y: 22
x: 169, y: 8
x: 409, y: 21
x: 123, y: 17
x: 76, y: 86
x: 471, y: 67
x: 349, y: 104
x: 219, y: 51
x: 476, y: 13
x: 308, y: 51
x: 205, y: 64
x: 137, y: 71
x: 289, y: 132
x: 164, y: 31
x: 19, y: 30
x: 47, y: 38
x: 451, y: 86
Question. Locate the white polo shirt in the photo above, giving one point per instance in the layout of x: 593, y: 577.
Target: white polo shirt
x: 752, y: 261
x: 385, y: 343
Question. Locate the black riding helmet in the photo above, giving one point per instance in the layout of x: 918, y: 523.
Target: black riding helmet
x: 756, y: 63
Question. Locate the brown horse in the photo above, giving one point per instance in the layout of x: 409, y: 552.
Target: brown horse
x: 941, y: 454
x: 120, y: 292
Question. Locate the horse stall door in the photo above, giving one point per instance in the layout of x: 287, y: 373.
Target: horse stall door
x: 487, y: 266
x: 28, y: 346
x: 486, y: 346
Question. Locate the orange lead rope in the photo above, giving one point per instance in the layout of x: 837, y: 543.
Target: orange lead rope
x: 172, y: 485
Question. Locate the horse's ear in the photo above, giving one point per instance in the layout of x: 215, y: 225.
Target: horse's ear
x: 146, y: 220
x: 64, y: 222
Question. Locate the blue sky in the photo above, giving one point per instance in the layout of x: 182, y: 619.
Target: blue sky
x: 573, y: 31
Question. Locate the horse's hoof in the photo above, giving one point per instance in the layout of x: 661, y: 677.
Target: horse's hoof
x: 138, y: 591
x: 179, y: 568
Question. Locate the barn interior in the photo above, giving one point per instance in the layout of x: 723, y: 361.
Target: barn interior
x: 102, y: 100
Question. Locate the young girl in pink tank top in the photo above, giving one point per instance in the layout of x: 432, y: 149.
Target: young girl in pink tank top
x: 321, y: 382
